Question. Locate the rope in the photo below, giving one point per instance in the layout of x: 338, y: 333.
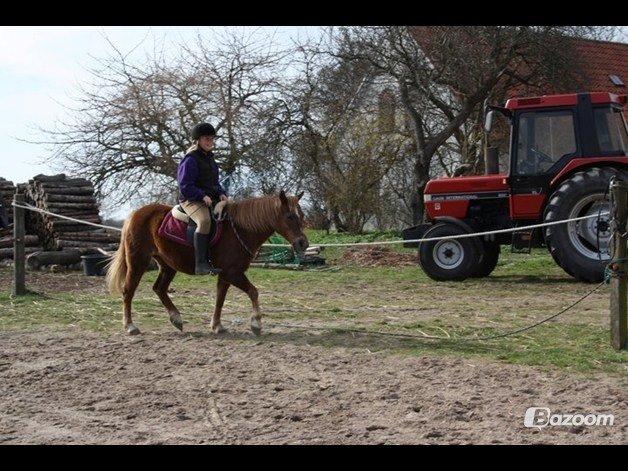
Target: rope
x: 460, y: 236
x: 434, y: 337
x: 80, y: 221
x: 398, y: 334
x: 346, y: 244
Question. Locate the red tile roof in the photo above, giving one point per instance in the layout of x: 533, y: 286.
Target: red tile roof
x: 598, y: 60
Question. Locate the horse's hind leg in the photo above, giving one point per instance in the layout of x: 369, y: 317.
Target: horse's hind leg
x: 164, y: 278
x: 136, y: 268
x: 242, y: 282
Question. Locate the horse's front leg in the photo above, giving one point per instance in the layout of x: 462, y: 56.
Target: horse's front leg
x: 242, y: 282
x: 221, y: 293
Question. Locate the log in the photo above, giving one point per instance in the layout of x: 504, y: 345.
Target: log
x: 61, y: 257
x: 77, y: 214
x: 60, y: 179
x: 92, y: 248
x: 86, y: 236
x: 58, y: 221
x: 65, y: 190
x: 61, y: 206
x: 59, y: 198
x: 49, y: 178
x: 75, y: 182
x: 8, y: 253
x: 69, y: 226
x: 77, y: 243
x: 29, y: 241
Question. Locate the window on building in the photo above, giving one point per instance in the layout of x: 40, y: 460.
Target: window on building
x: 616, y: 80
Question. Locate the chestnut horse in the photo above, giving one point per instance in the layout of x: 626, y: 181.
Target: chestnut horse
x: 252, y: 221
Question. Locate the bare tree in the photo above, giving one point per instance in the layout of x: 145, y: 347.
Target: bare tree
x: 131, y: 124
x: 338, y: 152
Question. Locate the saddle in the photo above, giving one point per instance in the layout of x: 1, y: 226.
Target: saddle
x: 178, y: 227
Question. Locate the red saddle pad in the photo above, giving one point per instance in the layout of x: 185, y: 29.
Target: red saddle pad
x: 176, y: 231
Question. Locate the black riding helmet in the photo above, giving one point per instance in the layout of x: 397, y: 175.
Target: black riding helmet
x: 202, y: 129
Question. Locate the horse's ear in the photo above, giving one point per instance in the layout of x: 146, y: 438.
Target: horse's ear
x: 282, y: 197
x: 300, y: 195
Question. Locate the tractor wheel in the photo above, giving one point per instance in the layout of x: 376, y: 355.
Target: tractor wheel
x: 581, y: 248
x: 448, y: 259
x: 488, y: 260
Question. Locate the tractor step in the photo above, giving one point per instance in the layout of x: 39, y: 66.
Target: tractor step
x: 521, y: 242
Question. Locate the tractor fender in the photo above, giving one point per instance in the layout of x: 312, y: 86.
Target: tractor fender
x: 464, y: 226
x: 577, y: 165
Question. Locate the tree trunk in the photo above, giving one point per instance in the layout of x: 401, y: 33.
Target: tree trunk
x: 421, y: 177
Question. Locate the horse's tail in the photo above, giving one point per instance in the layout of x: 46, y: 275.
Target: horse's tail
x: 116, y: 268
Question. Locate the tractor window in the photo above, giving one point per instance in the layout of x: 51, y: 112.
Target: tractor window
x: 544, y: 137
x: 611, y: 130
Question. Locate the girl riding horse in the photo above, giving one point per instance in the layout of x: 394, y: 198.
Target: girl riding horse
x: 199, y: 187
x: 249, y: 223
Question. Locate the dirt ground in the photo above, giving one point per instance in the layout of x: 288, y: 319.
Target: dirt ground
x: 166, y: 387
x: 377, y: 256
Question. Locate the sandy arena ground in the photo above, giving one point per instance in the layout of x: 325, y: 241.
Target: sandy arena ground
x: 72, y: 386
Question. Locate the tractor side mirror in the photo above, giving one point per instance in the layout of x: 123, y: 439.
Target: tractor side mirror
x: 488, y: 121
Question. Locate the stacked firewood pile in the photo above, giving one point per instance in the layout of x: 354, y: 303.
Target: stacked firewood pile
x: 71, y: 197
x: 7, y: 190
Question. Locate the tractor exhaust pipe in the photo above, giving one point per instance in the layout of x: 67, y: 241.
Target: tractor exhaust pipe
x: 491, y: 160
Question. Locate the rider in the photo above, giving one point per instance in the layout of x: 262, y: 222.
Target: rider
x: 199, y: 187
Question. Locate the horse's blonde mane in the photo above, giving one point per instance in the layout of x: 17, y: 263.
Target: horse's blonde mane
x: 258, y: 214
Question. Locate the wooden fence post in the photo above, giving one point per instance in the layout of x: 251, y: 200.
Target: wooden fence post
x: 619, y: 280
x: 19, y: 261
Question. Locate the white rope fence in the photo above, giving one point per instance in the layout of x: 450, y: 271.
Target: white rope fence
x: 351, y: 244
x: 80, y: 221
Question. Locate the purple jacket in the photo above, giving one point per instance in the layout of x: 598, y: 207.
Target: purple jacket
x: 198, y: 176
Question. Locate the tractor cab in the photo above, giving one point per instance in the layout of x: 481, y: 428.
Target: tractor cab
x: 562, y: 152
x: 550, y: 136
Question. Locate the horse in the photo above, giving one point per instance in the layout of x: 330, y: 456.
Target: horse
x: 250, y: 222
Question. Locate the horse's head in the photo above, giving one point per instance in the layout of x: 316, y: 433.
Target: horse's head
x: 290, y: 222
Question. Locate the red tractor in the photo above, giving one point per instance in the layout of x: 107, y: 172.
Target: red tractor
x: 564, y: 149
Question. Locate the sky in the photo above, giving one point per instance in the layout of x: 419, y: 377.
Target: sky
x: 40, y: 68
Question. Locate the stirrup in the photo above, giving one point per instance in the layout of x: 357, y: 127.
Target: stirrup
x: 203, y: 269
x: 213, y: 270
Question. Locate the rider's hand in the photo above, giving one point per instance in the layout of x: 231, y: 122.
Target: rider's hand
x: 207, y: 200
x: 223, y: 198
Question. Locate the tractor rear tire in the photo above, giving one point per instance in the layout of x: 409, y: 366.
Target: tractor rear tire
x: 574, y: 246
x: 449, y: 259
x: 489, y: 259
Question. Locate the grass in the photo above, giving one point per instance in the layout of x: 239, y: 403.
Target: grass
x: 522, y: 290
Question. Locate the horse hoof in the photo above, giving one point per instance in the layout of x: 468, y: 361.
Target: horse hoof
x: 132, y: 330
x: 219, y: 329
x: 178, y: 323
x: 256, y: 330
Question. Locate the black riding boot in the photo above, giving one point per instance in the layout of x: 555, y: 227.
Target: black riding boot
x: 201, y: 252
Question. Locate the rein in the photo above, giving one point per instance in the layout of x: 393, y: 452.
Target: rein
x: 238, y: 236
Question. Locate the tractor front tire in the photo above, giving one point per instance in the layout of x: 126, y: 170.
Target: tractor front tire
x: 488, y: 261
x: 448, y: 259
x: 574, y: 246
